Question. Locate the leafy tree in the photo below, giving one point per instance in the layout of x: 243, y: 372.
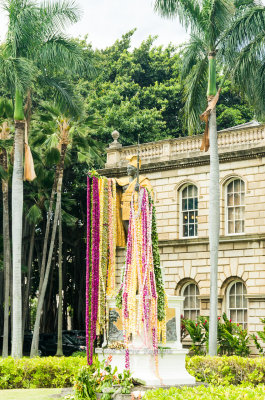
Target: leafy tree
x: 135, y: 91
x: 232, y: 109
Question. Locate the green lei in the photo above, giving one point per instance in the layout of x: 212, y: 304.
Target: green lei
x: 158, y: 272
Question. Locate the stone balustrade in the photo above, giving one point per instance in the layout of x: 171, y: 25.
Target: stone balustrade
x: 189, y: 146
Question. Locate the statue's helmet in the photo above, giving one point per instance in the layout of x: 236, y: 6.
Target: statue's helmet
x: 133, y: 161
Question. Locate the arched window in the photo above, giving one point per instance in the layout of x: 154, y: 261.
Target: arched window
x: 189, y: 211
x: 235, y: 206
x: 237, y: 303
x: 191, y: 307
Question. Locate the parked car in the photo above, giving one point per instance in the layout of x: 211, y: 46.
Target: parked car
x: 77, y: 336
x: 72, y: 341
x: 48, y: 345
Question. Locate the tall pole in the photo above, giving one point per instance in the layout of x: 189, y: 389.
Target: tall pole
x: 214, y: 210
x: 138, y: 160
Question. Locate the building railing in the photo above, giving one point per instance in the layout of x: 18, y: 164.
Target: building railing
x: 189, y: 146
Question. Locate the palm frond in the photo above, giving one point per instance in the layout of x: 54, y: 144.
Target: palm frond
x: 16, y: 72
x: 217, y: 15
x: 56, y: 16
x: 34, y: 215
x: 191, y: 53
x: 52, y: 141
x: 188, y: 12
x: 69, y: 219
x: 249, y: 24
x: 195, y: 88
x: 59, y: 52
x: 67, y: 100
x: 22, y: 32
x: 52, y: 156
x: 51, y: 111
x: 247, y: 72
x: 6, y: 108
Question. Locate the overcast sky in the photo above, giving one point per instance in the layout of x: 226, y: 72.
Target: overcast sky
x: 104, y: 21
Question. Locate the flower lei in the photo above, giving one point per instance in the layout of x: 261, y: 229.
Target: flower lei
x: 112, y: 237
x: 100, y: 254
x: 104, y: 215
x: 88, y: 293
x: 139, y: 278
x: 92, y: 273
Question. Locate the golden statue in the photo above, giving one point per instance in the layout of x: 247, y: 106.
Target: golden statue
x: 125, y: 190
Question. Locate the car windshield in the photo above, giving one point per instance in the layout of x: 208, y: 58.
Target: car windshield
x: 77, y: 337
x: 68, y: 340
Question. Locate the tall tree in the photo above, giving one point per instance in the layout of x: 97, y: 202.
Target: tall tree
x: 34, y: 43
x: 229, y: 28
x: 59, y: 351
x: 6, y: 113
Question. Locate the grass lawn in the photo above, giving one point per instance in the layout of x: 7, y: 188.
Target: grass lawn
x: 28, y: 394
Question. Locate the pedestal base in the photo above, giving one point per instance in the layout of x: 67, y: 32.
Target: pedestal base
x: 171, y: 364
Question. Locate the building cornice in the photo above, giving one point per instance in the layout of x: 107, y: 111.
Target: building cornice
x: 205, y: 240
x: 203, y: 159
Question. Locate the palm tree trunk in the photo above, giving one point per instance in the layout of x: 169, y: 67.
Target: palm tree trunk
x: 26, y: 296
x: 7, y: 259
x: 17, y: 213
x: 35, y: 339
x: 60, y: 308
x: 214, y: 212
x: 47, y: 232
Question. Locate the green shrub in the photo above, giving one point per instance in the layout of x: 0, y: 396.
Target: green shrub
x: 207, y: 393
x: 79, y: 354
x: 231, y: 337
x: 52, y: 372
x: 261, y: 335
x: 56, y: 372
x: 227, y: 370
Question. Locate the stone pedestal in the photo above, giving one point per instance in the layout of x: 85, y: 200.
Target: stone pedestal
x: 171, y: 358
x: 171, y: 365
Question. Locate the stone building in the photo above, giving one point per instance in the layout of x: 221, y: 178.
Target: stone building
x: 179, y: 174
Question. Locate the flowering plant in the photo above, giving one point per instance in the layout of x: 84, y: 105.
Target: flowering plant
x: 101, y: 378
x: 232, y: 338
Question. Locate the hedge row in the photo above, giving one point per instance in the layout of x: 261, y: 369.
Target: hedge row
x: 55, y: 372
x: 207, y: 393
x: 46, y: 372
x: 226, y: 370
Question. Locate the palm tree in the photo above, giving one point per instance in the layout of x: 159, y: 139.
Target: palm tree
x: 59, y: 351
x: 223, y: 32
x: 34, y: 50
x: 64, y: 133
x: 6, y: 112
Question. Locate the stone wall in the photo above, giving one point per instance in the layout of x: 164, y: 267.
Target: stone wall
x: 241, y: 256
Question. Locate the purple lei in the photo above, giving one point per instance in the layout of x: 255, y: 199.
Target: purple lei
x: 87, y: 269
x: 92, y: 267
